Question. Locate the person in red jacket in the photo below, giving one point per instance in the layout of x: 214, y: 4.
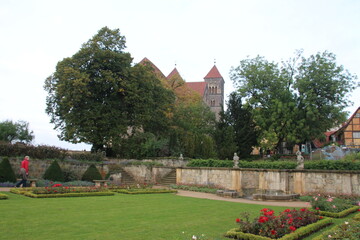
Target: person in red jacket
x: 24, y: 172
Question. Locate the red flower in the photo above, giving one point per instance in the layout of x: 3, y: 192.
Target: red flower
x: 303, y: 209
x: 287, y: 210
x: 264, y: 210
x: 292, y: 228
x: 263, y: 219
x: 289, y: 215
x: 238, y: 220
x: 317, y: 208
x: 269, y: 213
x: 321, y: 217
x: 273, y: 232
x: 300, y: 218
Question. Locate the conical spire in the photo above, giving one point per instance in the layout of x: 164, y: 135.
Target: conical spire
x: 214, y: 73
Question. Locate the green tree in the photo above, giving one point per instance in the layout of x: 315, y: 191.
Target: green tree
x: 225, y: 138
x: 92, y: 173
x: 54, y: 172
x: 96, y: 95
x: 295, y: 101
x: 239, y: 117
x: 6, y: 172
x: 15, y: 131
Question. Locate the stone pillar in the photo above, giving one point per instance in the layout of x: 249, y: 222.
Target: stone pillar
x: 178, y: 175
x: 236, y: 181
x: 299, y: 182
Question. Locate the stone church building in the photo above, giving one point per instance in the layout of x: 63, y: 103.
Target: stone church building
x: 211, y: 89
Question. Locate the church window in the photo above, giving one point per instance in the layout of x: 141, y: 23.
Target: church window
x: 212, y: 103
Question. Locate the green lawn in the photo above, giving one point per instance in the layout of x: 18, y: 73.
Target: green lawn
x: 123, y: 216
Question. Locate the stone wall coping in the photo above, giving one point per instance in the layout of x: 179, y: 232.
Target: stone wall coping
x: 273, y: 170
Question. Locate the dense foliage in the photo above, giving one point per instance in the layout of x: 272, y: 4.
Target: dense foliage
x: 37, y: 152
x: 98, y: 97
x: 12, y: 132
x: 54, y: 172
x: 296, y: 101
x: 92, y: 173
x: 6, y: 172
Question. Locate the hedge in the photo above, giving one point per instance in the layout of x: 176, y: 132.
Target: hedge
x: 339, y: 214
x: 3, y: 196
x: 315, y: 164
x: 297, y: 234
x: 38, y: 152
x: 144, y: 191
x: 27, y: 192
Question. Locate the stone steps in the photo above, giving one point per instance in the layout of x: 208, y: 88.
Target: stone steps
x: 126, y: 178
x: 169, y: 179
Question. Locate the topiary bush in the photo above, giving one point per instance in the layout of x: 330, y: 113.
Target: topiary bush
x: 92, y: 173
x: 6, y: 172
x: 54, y: 173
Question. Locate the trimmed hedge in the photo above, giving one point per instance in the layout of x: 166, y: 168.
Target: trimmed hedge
x: 297, y: 234
x: 6, y: 172
x: 38, y: 152
x: 243, y: 164
x: 266, y: 164
x: 339, y: 214
x: 3, y: 196
x: 54, y: 172
x: 143, y: 191
x: 92, y: 173
x: 28, y: 192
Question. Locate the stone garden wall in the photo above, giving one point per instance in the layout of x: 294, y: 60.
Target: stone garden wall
x: 295, y: 181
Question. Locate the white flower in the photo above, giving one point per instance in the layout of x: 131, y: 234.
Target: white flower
x: 329, y: 236
x: 346, y: 223
x: 194, y: 237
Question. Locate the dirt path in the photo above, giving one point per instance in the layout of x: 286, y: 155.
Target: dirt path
x: 242, y: 200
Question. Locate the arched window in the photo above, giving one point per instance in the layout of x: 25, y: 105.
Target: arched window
x: 212, y: 102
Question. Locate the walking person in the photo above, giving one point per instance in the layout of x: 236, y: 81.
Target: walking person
x: 24, y: 172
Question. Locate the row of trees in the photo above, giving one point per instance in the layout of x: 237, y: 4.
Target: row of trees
x: 99, y: 96
x: 11, y: 132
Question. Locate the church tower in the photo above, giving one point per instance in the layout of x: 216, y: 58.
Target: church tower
x: 214, y: 97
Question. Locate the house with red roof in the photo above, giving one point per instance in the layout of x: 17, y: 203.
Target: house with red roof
x: 211, y: 90
x: 348, y: 134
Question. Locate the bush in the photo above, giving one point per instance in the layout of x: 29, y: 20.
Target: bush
x: 243, y: 164
x: 6, y: 172
x: 86, y: 156
x: 3, y: 196
x: 333, y: 165
x: 54, y: 173
x: 38, y: 152
x: 92, y: 173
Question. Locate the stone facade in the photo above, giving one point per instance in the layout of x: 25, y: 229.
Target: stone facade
x: 248, y: 181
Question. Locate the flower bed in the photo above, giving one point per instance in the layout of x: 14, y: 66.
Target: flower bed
x: 327, y: 205
x: 58, y: 190
x: 3, y: 196
x: 289, y: 224
x: 347, y: 230
x: 143, y: 191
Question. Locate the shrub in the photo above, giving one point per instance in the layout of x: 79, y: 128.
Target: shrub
x: 3, y: 196
x: 347, y: 230
x: 92, y: 173
x: 6, y: 172
x: 54, y: 172
x: 38, y: 152
x: 243, y: 164
x: 332, y: 165
x: 329, y: 204
x: 86, y: 156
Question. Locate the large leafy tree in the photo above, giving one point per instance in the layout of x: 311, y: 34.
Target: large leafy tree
x: 15, y: 131
x: 98, y: 97
x: 295, y: 101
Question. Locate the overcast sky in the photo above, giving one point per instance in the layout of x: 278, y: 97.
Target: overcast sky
x: 35, y: 35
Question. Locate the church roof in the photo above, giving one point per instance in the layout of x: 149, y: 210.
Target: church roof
x: 157, y: 71
x: 199, y: 87
x: 214, y: 73
x: 173, y: 73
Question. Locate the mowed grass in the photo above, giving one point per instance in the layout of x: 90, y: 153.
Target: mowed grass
x: 123, y: 216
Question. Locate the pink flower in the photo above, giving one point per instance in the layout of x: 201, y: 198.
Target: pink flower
x: 334, y: 206
x: 329, y: 199
x: 317, y: 208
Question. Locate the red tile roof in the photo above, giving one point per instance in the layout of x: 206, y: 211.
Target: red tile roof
x: 199, y: 87
x: 174, y: 73
x: 214, y: 73
x: 157, y: 71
